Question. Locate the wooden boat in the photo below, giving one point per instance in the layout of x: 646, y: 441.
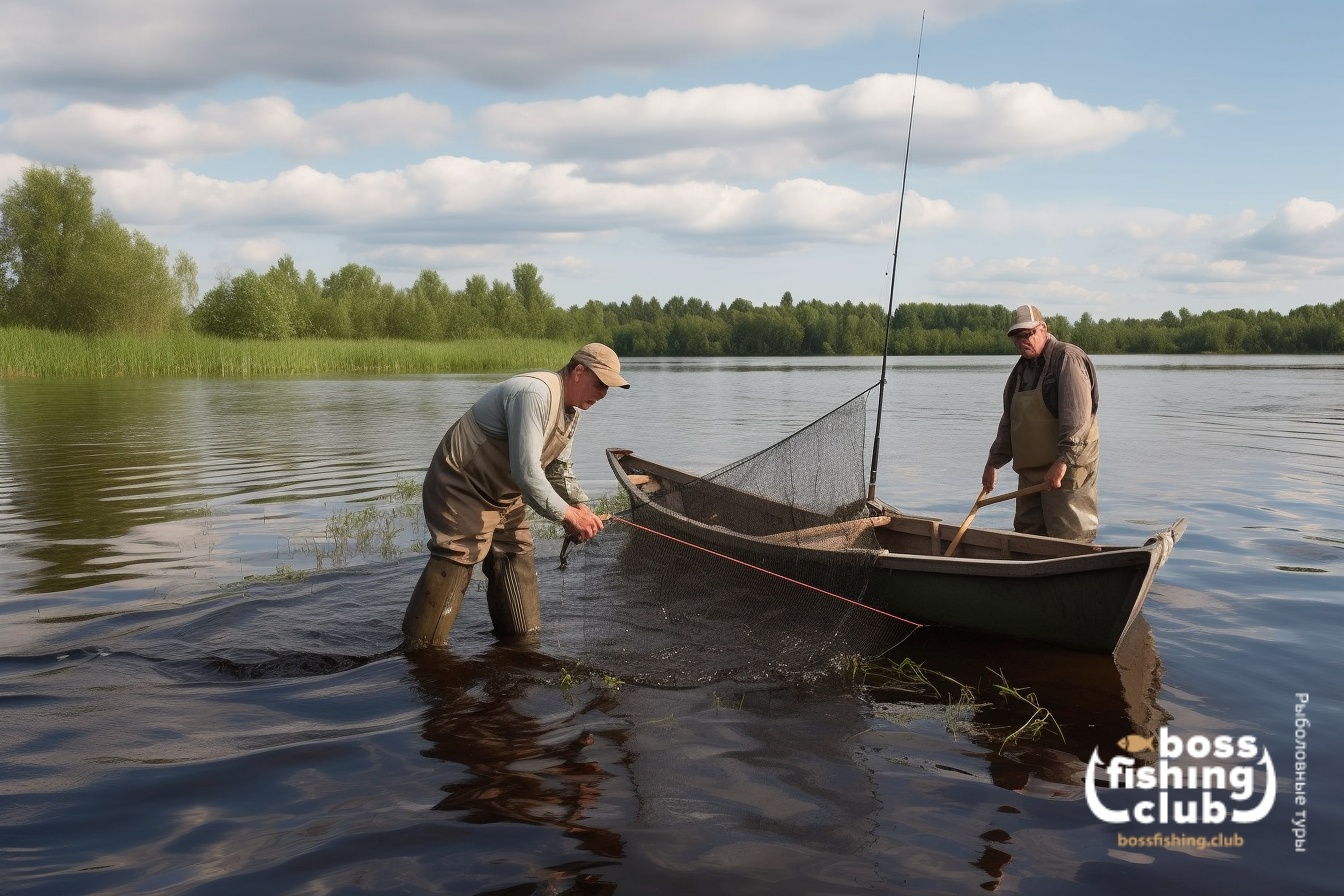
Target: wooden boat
x: 1034, y: 588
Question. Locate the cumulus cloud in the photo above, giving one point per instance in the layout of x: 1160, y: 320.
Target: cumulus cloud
x: 1231, y: 257
x: 157, y: 46
x: 1303, y: 227
x: 11, y: 167
x: 89, y: 133
x: 753, y: 130
x: 474, y: 201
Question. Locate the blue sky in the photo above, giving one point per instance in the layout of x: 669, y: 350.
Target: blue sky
x: 1121, y: 159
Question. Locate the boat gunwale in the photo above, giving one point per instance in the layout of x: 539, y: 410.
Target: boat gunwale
x: 1102, y: 558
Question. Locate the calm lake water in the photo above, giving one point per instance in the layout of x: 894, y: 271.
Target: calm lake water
x: 204, y: 581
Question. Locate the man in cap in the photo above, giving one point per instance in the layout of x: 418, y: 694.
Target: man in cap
x: 508, y: 452
x: 1049, y: 431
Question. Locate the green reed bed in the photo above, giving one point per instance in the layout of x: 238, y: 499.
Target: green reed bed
x: 40, y: 353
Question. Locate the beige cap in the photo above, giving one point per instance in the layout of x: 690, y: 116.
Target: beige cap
x: 1024, y: 317
x: 603, y: 362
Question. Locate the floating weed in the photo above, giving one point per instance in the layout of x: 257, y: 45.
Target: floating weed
x: 283, y: 573
x: 571, y: 678
x: 960, y: 702
x: 1040, y: 718
x: 407, y: 489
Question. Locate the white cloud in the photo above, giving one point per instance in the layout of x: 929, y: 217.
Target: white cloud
x: 103, y: 134
x: 156, y: 46
x: 1302, y: 227
x: 470, y: 201
x: 11, y: 168
x: 260, y: 254
x: 748, y: 129
x: 1220, y: 259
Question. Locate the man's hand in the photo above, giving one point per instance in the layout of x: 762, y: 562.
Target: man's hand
x: 581, y: 523
x: 989, y: 477
x: 1054, y: 477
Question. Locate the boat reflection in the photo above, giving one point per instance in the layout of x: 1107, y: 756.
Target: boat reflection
x: 1094, y: 700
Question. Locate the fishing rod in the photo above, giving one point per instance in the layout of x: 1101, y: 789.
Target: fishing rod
x: 891, y: 295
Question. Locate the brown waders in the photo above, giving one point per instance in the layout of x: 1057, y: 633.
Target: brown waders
x: 1067, y: 512
x: 435, y: 603
x: 475, y: 514
x: 513, y: 595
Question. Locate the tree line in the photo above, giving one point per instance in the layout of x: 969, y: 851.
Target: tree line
x: 64, y: 266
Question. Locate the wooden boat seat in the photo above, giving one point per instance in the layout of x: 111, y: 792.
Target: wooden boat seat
x: 829, y: 535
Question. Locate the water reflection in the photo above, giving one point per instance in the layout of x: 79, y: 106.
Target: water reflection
x: 81, y: 460
x: 105, y: 481
x: 1021, y: 805
x: 1096, y: 701
x: 516, y: 768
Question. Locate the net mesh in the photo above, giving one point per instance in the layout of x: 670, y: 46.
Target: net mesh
x: 758, y: 569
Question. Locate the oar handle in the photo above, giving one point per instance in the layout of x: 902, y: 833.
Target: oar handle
x: 965, y: 524
x: 982, y: 501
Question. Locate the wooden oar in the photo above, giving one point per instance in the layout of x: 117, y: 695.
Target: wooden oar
x: 982, y: 501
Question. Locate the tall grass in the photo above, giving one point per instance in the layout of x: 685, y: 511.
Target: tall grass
x: 26, y: 353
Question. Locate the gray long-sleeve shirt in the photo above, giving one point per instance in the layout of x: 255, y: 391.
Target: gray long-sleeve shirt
x: 1069, y: 388
x: 516, y: 411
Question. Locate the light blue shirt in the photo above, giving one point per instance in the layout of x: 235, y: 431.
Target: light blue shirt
x: 516, y: 411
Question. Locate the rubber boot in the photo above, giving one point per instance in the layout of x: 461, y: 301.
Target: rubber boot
x: 513, y: 594
x: 434, y: 604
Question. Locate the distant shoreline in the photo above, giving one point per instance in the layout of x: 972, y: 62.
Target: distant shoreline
x: 42, y: 354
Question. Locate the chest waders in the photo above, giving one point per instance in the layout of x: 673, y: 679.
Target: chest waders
x: 475, y: 514
x: 1067, y: 512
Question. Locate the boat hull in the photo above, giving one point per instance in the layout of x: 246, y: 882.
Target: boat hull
x: 1051, y: 591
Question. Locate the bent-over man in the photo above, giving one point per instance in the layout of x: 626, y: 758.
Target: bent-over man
x: 508, y: 452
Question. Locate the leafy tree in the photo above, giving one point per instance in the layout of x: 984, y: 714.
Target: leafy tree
x: 65, y: 267
x: 46, y: 217
x: 186, y: 274
x: 359, y: 295
x: 120, y: 281
x: 248, y: 306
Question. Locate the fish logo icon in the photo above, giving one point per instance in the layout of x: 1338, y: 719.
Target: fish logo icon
x: 1135, y: 743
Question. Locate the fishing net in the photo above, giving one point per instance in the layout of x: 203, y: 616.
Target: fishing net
x: 758, y: 569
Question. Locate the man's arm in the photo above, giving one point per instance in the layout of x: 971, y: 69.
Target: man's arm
x: 1075, y: 409
x: 1001, y: 449
x: 560, y: 474
x: 526, y: 412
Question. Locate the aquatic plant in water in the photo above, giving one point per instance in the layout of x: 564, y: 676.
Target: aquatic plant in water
x: 959, y: 701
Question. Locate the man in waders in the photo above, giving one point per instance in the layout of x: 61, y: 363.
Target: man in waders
x: 1049, y: 431
x: 508, y: 452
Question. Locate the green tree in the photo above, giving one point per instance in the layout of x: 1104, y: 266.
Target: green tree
x: 248, y: 306
x: 119, y: 281
x: 359, y: 295
x: 187, y: 275
x: 65, y: 267
x: 45, y: 217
